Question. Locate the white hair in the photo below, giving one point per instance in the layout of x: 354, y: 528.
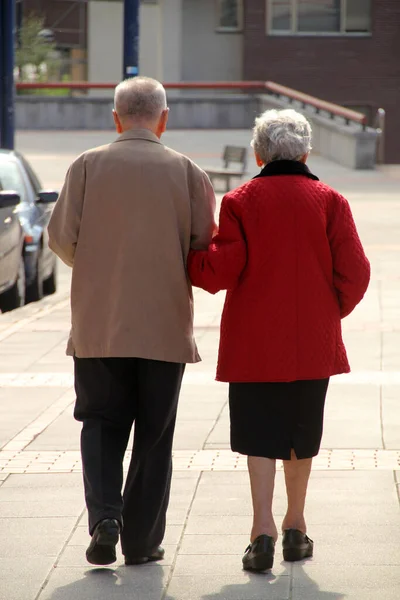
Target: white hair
x: 140, y: 98
x: 281, y: 135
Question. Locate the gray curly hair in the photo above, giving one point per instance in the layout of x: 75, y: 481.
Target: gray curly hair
x: 281, y: 135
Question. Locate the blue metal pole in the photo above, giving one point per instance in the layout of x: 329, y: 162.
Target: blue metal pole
x: 131, y: 38
x: 7, y: 33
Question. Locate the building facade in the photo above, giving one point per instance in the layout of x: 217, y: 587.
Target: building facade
x: 344, y: 51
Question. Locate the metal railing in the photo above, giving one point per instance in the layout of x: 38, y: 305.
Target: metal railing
x: 269, y: 87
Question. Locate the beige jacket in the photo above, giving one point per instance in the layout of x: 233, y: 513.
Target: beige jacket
x: 125, y: 220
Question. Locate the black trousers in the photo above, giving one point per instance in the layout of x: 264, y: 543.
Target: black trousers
x: 112, y: 394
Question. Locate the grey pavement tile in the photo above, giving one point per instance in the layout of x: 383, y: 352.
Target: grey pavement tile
x: 322, y: 582
x: 353, y: 513
x: 364, y: 552
x: 177, y: 516
x: 74, y: 556
x: 364, y: 482
x: 349, y: 404
x: 211, y: 478
x: 229, y: 583
x: 40, y: 509
x: 44, y: 495
x: 190, y: 435
x: 20, y: 406
x: 230, y: 504
x: 34, y: 537
x: 145, y: 582
x: 211, y: 543
x: 21, y: 579
x: 218, y: 524
x: 81, y: 536
x: 188, y: 475
x: 62, y: 434
x: 44, y: 480
x: 220, y: 490
x: 188, y: 411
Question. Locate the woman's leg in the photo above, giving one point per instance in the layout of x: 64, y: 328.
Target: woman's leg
x: 297, y: 474
x: 262, y: 479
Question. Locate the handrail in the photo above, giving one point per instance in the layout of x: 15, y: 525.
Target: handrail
x: 335, y: 110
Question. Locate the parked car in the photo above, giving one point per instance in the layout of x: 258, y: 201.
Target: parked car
x: 28, y: 268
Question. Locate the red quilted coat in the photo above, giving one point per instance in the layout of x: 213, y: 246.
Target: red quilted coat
x: 290, y: 257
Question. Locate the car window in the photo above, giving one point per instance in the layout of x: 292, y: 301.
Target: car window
x: 11, y: 178
x: 33, y: 178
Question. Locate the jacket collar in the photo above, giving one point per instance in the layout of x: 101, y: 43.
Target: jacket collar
x: 139, y: 134
x: 286, y: 167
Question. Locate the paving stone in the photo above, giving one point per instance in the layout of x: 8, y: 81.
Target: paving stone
x: 41, y: 537
x: 22, y: 577
x: 120, y: 583
x: 322, y: 582
x: 227, y: 581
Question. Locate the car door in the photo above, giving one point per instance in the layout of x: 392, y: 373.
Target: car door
x: 40, y: 213
x: 11, y: 239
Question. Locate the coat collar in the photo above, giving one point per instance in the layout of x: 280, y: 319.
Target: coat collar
x: 138, y: 134
x: 286, y: 167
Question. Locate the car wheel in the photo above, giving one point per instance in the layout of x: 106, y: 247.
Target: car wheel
x: 50, y: 284
x: 15, y: 296
x: 34, y: 291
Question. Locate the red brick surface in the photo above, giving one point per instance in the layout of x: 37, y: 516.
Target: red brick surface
x: 342, y: 69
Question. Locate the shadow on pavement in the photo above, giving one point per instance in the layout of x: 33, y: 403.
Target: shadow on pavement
x: 306, y: 588
x: 122, y: 583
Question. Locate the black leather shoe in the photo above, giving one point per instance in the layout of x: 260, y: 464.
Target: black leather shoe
x: 101, y: 550
x: 259, y: 556
x: 141, y: 560
x: 296, y: 545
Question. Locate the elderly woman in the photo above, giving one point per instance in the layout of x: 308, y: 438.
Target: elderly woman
x: 290, y: 257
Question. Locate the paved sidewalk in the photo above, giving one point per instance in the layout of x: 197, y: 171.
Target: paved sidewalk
x: 353, y: 506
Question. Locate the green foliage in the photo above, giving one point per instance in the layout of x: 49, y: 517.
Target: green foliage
x: 33, y: 49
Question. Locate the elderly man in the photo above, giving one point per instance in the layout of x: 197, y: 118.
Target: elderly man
x: 126, y: 218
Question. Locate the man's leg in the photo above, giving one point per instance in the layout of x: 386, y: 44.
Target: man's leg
x: 147, y: 488
x: 106, y: 408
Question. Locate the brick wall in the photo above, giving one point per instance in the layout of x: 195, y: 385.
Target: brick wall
x: 345, y: 70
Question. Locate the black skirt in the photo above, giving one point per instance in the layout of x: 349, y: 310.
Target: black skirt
x: 271, y: 419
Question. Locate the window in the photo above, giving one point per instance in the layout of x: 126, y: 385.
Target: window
x: 319, y: 16
x: 229, y: 15
x: 11, y: 178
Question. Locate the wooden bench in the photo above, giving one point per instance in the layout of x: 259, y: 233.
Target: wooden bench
x: 232, y: 154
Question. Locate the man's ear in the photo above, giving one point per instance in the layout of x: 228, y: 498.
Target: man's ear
x: 117, y: 122
x: 162, y: 124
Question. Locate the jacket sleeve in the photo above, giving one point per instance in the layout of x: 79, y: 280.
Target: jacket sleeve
x: 220, y: 267
x: 65, y: 221
x: 351, y: 268
x: 202, y: 209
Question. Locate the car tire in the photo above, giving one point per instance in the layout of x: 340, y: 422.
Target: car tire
x: 34, y: 291
x: 15, y: 296
x: 50, y: 284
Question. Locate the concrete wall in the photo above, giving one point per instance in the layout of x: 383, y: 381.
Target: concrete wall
x: 105, y: 42
x: 178, y: 42
x: 206, y: 53
x: 347, y: 145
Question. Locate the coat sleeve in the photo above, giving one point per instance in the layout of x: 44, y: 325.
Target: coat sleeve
x: 65, y: 221
x: 351, y: 268
x: 202, y: 210
x: 220, y: 267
